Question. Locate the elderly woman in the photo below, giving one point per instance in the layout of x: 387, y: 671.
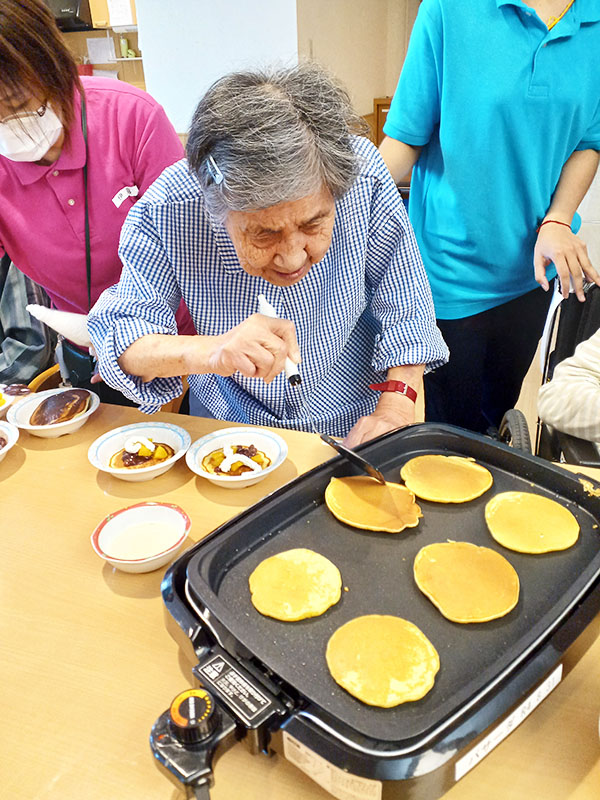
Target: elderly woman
x: 278, y: 198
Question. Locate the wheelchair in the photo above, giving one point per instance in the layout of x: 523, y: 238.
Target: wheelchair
x: 571, y: 322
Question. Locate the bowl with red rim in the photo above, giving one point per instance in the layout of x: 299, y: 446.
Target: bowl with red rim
x: 142, y: 537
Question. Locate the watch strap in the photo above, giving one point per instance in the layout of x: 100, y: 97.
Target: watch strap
x: 399, y: 387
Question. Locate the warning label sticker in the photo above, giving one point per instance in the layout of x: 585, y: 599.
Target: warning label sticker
x: 340, y: 784
x: 248, y: 701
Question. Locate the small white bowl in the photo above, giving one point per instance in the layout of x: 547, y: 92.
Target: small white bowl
x: 268, y: 442
x: 143, y: 537
x: 11, y: 434
x: 20, y: 413
x: 105, y: 446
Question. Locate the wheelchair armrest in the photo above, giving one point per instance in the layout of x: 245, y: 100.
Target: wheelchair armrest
x: 578, y: 451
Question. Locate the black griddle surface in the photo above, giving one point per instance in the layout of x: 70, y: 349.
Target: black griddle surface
x: 377, y: 569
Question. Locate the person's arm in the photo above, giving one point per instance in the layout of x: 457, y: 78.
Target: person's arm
x: 257, y: 348
x: 393, y: 410
x: 556, y: 243
x: 414, y: 111
x: 399, y: 157
x: 133, y: 330
x: 26, y: 345
x: 570, y: 402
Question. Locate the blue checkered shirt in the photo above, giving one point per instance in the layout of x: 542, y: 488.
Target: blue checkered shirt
x: 365, y: 307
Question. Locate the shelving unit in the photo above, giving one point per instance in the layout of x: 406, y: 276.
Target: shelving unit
x: 130, y: 70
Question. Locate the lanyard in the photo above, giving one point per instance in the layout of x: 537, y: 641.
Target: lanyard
x: 88, y: 255
x: 553, y: 20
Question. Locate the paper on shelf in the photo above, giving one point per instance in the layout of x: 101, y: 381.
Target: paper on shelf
x: 101, y: 50
x: 106, y: 73
x: 119, y: 12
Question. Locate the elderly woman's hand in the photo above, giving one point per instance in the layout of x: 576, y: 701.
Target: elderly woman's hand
x: 379, y: 422
x: 257, y: 348
x: 556, y: 243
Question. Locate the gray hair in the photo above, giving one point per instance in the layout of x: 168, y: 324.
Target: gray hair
x: 272, y: 136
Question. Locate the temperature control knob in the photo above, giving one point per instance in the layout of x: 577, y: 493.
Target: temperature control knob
x: 192, y: 716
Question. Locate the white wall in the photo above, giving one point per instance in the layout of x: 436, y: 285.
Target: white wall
x: 590, y: 221
x: 363, y: 42
x: 400, y: 20
x: 187, y: 44
x: 349, y: 38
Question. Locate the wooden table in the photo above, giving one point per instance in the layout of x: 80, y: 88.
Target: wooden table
x: 87, y: 663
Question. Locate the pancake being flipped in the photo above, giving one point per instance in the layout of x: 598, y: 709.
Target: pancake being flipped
x: 467, y: 583
x: 364, y: 503
x: 446, y: 479
x: 295, y: 584
x: 382, y: 660
x: 61, y: 407
x: 530, y: 523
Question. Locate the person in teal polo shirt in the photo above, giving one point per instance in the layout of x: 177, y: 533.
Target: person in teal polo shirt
x: 498, y: 110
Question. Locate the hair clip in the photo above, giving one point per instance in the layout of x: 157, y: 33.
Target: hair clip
x: 215, y: 172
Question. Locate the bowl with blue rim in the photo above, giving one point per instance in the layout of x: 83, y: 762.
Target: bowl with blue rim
x: 237, y: 457
x: 140, y: 451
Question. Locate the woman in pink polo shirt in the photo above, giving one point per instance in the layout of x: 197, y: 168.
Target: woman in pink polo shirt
x: 55, y: 127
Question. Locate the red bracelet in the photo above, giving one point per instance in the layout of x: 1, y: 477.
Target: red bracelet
x: 555, y: 221
x: 399, y: 387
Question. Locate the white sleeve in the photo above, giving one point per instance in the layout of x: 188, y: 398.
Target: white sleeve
x: 570, y: 402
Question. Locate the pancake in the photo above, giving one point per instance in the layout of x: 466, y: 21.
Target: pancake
x: 530, y: 523
x: 295, y: 584
x: 446, y: 479
x: 465, y: 582
x: 61, y: 407
x: 382, y: 660
x: 364, y: 503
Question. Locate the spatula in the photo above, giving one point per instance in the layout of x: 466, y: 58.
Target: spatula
x: 359, y: 461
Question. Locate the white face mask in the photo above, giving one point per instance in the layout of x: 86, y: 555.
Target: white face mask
x: 27, y: 136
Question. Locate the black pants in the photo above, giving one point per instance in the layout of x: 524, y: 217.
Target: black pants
x: 490, y: 354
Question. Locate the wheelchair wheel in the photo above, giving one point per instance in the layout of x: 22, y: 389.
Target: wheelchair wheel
x: 514, y: 430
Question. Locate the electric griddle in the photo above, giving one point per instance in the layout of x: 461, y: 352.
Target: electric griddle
x: 267, y: 681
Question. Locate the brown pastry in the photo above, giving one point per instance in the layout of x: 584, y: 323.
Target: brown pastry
x: 61, y: 407
x: 3, y: 442
x: 16, y: 390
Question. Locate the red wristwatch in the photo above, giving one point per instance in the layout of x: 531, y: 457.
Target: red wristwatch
x: 395, y: 386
